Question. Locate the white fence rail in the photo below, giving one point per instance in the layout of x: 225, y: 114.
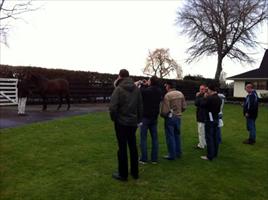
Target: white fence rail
x: 8, y: 91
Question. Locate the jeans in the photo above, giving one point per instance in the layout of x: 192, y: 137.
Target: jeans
x: 173, y: 134
x: 150, y: 124
x: 212, y: 138
x: 126, y: 137
x: 251, y: 128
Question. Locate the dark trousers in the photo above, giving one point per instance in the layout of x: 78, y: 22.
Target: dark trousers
x: 126, y: 137
x: 212, y: 139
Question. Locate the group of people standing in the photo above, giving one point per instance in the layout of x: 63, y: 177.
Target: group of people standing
x: 138, y: 104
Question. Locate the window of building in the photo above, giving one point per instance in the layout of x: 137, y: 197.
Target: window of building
x: 259, y: 85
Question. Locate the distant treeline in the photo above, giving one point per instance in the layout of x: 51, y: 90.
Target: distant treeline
x: 92, y: 86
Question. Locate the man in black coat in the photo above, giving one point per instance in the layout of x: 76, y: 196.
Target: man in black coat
x: 250, y: 110
x: 212, y: 105
x: 152, y: 96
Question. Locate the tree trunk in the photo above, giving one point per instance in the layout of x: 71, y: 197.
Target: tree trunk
x: 219, y: 68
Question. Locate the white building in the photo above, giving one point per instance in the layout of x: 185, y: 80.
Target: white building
x: 259, y: 78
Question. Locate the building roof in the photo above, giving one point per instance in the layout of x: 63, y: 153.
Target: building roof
x: 257, y: 74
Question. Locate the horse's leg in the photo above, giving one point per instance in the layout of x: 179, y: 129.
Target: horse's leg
x: 59, y: 106
x: 44, y: 103
x: 68, y: 101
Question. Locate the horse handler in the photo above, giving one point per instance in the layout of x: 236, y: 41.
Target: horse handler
x: 23, y: 93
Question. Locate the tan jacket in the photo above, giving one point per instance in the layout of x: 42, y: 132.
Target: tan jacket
x: 173, y: 100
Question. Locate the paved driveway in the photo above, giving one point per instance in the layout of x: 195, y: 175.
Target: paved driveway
x: 9, y: 117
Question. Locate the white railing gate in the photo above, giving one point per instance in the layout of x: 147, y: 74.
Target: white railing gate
x: 8, y: 91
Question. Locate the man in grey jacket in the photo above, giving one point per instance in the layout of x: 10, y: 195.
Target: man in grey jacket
x: 173, y: 106
x: 126, y: 113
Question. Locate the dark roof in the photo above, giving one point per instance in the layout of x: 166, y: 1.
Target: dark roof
x: 260, y: 73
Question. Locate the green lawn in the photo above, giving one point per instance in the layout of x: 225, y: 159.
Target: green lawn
x: 73, y: 158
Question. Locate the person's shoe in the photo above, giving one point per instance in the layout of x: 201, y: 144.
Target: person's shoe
x: 198, y: 147
x: 204, y: 157
x: 22, y: 114
x: 118, y: 177
x: 167, y: 157
x: 142, y: 162
x: 247, y: 141
x: 251, y: 141
x: 135, y: 176
x: 154, y: 162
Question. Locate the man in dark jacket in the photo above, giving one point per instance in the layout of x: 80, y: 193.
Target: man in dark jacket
x: 250, y: 110
x: 23, y: 92
x: 151, y: 95
x: 200, y: 117
x: 126, y: 112
x: 212, y: 105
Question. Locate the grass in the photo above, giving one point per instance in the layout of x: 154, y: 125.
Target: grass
x: 73, y: 158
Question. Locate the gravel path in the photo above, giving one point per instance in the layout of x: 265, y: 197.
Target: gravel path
x: 9, y: 117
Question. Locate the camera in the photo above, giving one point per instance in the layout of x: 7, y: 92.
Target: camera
x: 141, y: 83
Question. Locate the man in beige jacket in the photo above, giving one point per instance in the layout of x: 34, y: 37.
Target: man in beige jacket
x: 172, y: 107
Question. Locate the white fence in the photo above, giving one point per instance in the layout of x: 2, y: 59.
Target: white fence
x: 8, y: 91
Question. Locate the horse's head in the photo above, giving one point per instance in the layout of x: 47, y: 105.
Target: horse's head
x: 35, y: 78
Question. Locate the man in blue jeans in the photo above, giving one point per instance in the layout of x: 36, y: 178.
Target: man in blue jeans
x: 250, y: 110
x: 151, y: 96
x: 172, y: 107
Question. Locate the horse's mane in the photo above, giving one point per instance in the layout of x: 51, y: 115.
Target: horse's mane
x: 39, y: 77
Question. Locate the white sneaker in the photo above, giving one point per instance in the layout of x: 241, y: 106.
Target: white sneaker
x: 142, y: 162
x: 204, y: 157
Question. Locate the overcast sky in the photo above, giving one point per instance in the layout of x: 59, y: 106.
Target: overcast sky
x: 105, y: 36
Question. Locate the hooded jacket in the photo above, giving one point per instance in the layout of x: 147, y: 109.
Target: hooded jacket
x: 126, y: 104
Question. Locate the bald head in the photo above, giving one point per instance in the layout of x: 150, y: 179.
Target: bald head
x: 249, y: 87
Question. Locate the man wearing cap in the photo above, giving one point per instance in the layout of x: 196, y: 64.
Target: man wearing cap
x: 172, y: 107
x: 126, y: 112
x: 212, y: 105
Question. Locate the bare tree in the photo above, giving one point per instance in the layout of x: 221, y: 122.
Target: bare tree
x: 221, y: 27
x: 160, y: 63
x: 12, y: 10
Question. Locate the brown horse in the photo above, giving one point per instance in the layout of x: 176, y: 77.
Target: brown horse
x: 46, y: 87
